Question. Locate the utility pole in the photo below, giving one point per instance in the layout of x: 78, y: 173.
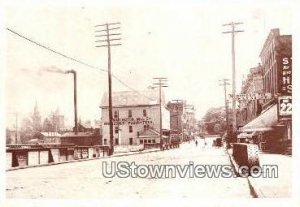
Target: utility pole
x: 16, y: 141
x: 108, y: 38
x: 224, y: 83
x: 161, y: 82
x: 232, y: 32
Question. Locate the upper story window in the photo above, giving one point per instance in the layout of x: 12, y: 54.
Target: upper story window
x: 129, y: 113
x: 130, y: 129
x: 144, y: 112
x: 116, y: 114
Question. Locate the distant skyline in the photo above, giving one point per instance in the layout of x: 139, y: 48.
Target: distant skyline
x: 184, y: 43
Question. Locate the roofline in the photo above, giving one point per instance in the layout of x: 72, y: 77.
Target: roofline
x: 268, y: 39
x: 129, y: 106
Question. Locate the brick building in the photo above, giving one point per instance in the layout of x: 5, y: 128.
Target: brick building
x: 273, y: 123
x: 249, y: 109
x: 176, y: 115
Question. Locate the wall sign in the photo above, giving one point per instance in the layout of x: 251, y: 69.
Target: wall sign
x: 131, y: 121
x: 285, y: 75
x: 285, y: 107
x: 253, y: 96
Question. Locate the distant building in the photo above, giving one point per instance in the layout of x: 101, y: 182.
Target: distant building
x: 253, y: 84
x: 51, y: 137
x: 189, y: 120
x: 136, y: 117
x: 58, y: 121
x: 176, y: 115
x: 36, y: 119
x: 82, y: 138
x: 55, y: 122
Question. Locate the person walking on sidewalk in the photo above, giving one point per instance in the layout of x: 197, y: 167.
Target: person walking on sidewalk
x: 196, y: 142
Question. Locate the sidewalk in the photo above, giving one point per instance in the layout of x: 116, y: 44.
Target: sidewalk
x: 274, y: 187
x: 280, y: 186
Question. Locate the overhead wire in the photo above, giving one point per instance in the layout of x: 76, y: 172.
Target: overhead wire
x: 73, y: 59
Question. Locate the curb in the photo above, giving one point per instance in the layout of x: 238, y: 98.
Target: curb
x: 254, y: 189
x: 82, y: 160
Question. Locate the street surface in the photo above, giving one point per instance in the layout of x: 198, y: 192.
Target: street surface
x: 85, y: 179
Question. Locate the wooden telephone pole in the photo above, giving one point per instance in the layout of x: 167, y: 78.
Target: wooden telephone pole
x: 108, y: 38
x: 232, y: 32
x: 161, y: 82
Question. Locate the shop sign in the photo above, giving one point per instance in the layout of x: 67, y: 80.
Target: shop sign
x: 253, y: 96
x: 285, y: 107
x: 285, y: 75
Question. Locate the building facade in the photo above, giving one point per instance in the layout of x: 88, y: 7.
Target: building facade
x: 136, y: 117
x: 273, y: 123
x: 253, y: 84
x: 176, y: 115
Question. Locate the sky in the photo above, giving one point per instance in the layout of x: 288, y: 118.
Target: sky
x: 180, y: 41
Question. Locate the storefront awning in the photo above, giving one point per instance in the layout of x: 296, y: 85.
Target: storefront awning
x: 264, y: 122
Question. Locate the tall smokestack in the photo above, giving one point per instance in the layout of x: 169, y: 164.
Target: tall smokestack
x: 75, y: 99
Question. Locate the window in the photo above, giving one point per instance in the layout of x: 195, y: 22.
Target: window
x: 141, y: 141
x: 116, y: 130
x: 130, y: 129
x: 116, y: 114
x: 137, y: 134
x: 146, y: 127
x: 129, y: 113
x: 144, y: 112
x: 116, y: 141
x: 153, y: 140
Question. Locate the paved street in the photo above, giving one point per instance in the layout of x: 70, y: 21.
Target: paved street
x: 85, y: 179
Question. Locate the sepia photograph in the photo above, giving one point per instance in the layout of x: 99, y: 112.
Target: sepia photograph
x: 147, y: 100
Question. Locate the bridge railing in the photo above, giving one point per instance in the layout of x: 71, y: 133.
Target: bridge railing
x: 34, y: 155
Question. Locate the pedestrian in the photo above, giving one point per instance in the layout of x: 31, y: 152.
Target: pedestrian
x: 196, y: 143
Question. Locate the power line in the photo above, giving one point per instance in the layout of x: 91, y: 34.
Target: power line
x: 73, y: 59
x: 54, y: 51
